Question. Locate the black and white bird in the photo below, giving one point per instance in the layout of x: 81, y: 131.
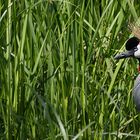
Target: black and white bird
x: 133, y: 50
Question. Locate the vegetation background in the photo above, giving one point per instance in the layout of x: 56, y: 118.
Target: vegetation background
x: 58, y: 77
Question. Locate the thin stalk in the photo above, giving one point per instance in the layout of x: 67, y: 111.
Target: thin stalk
x: 9, y: 94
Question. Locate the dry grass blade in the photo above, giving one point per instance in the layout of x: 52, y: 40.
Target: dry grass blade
x: 135, y: 29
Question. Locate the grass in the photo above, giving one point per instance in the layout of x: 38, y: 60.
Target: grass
x: 58, y: 77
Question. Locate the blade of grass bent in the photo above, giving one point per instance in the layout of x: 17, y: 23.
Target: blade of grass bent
x: 39, y: 54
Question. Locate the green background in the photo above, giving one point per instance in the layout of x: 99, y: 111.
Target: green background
x: 58, y: 76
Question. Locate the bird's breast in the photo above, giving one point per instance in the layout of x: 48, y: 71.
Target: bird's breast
x: 136, y: 92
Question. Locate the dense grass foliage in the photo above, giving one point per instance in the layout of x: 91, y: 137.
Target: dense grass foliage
x: 58, y: 77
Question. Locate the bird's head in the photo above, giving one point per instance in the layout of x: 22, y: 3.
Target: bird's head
x: 132, y: 49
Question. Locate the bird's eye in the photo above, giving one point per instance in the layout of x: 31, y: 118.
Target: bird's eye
x: 135, y: 49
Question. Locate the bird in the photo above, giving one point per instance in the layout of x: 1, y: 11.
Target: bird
x: 132, y: 47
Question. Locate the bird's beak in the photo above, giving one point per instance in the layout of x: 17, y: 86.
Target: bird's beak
x: 126, y: 54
